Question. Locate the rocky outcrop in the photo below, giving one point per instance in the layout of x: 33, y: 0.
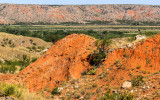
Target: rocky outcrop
x: 66, y: 59
x: 45, y: 14
x: 143, y: 57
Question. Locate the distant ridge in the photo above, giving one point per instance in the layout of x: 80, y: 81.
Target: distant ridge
x: 121, y: 14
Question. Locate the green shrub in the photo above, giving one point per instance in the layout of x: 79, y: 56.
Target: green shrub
x: 7, y: 68
x: 34, y: 59
x: 2, y: 45
x: 55, y: 91
x: 84, y: 73
x: 137, y: 81
x: 34, y: 43
x: 117, y: 96
x: 77, y: 96
x: 9, y: 90
x: 34, y: 48
x: 18, y: 92
x: 94, y: 85
x: 31, y: 41
x: 148, y: 60
x: 130, y: 39
x: 10, y: 42
x: 138, y: 67
x: 99, y: 55
x: 92, y: 72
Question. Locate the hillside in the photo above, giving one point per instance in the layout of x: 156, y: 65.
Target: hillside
x: 13, y: 47
x: 95, y: 14
x: 131, y: 72
x: 66, y: 58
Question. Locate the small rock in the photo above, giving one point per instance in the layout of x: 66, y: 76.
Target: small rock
x: 127, y: 84
x: 129, y: 45
x: 140, y: 37
x: 45, y: 50
x: 81, y: 98
x: 131, y: 91
x: 60, y: 89
x: 2, y: 60
x: 76, y: 87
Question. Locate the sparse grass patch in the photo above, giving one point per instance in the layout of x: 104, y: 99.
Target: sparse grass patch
x: 55, y: 91
x: 130, y: 39
x: 94, y: 85
x: 92, y: 72
x: 137, y: 81
x: 117, y: 96
x: 18, y: 92
x: 11, y: 66
x: 148, y: 60
x: 138, y: 67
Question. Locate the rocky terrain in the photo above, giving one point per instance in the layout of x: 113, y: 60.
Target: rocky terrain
x: 66, y: 58
x: 130, y: 72
x: 51, y: 14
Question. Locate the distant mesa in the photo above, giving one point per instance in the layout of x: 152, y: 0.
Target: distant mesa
x: 79, y: 14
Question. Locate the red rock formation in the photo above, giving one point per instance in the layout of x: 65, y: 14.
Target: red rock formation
x: 12, y: 13
x: 66, y: 58
x: 146, y: 55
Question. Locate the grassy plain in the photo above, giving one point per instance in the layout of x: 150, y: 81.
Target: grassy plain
x: 86, y: 27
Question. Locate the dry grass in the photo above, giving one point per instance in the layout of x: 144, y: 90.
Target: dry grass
x: 19, y: 92
x: 21, y: 43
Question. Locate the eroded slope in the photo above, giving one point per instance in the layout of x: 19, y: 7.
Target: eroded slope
x: 66, y: 58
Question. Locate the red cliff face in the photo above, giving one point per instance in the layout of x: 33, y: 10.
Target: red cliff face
x: 12, y: 13
x: 144, y: 56
x: 66, y: 58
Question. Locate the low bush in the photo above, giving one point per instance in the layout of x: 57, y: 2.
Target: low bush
x: 92, y: 72
x: 18, y: 92
x: 99, y: 55
x: 10, y: 66
x: 137, y: 81
x: 117, y: 96
x: 55, y: 91
x: 7, y: 69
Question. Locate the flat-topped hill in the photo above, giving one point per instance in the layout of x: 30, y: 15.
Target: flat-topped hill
x: 95, y: 14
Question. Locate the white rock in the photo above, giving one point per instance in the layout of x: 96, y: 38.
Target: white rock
x: 76, y: 87
x: 45, y: 50
x: 81, y: 98
x: 2, y: 60
x: 127, y: 84
x: 140, y: 37
x: 129, y: 45
x: 60, y: 89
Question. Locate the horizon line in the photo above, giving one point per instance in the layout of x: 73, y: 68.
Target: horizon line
x: 78, y: 4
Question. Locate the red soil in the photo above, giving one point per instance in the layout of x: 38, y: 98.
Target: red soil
x: 124, y: 64
x: 4, y: 77
x: 131, y: 12
x: 66, y: 58
x: 146, y: 55
x: 96, y: 9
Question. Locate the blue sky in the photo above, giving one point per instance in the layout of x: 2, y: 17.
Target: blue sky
x: 52, y: 2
